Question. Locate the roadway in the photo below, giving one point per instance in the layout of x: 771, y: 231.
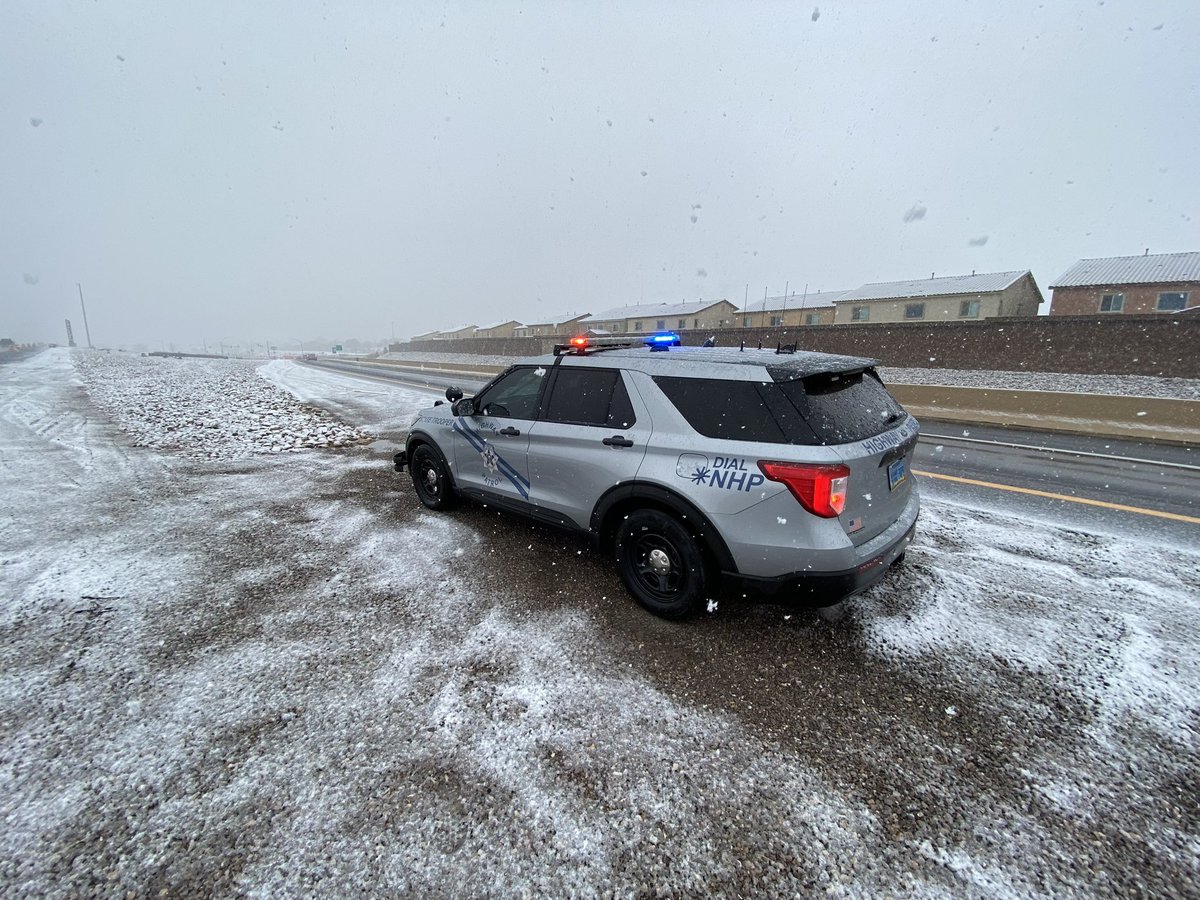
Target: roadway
x: 1088, y: 483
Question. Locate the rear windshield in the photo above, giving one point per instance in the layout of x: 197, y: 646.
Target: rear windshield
x: 842, y: 409
x: 822, y: 409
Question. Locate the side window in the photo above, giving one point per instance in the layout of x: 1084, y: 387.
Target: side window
x: 732, y: 410
x: 514, y: 396
x: 590, y: 397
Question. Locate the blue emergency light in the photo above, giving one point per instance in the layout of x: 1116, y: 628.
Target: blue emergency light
x: 662, y: 340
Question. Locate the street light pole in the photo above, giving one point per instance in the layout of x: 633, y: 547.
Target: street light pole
x: 86, y: 330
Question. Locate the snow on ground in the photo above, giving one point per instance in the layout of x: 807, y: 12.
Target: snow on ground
x: 280, y: 675
x: 377, y: 407
x: 204, y: 407
x: 1117, y: 385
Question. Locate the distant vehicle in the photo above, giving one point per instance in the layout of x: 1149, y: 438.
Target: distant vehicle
x: 309, y: 357
x: 786, y: 473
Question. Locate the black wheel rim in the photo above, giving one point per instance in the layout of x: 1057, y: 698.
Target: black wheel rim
x: 649, y: 551
x: 429, y: 481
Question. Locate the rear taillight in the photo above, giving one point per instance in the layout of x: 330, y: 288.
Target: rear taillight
x: 820, y: 489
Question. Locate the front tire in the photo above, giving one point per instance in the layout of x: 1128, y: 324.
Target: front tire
x: 661, y: 564
x: 430, y: 479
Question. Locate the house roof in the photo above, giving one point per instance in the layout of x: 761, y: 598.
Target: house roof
x: 986, y: 283
x: 455, y: 329
x: 794, y: 301
x: 1153, y: 268
x: 647, y: 310
x: 492, y: 325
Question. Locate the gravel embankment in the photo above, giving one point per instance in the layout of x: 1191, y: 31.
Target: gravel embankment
x: 210, y: 408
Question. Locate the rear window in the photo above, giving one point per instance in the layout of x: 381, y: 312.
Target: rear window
x: 824, y: 409
x: 842, y: 409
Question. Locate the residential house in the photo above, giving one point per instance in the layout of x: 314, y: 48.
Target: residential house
x: 662, y: 316
x: 953, y: 298
x: 793, y: 310
x: 1158, y: 282
x: 563, y: 323
x: 459, y: 331
x: 498, y: 329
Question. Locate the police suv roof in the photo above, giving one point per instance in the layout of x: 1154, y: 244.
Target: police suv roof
x: 715, y: 362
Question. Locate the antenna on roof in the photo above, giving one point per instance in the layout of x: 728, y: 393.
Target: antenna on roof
x: 1147, y: 253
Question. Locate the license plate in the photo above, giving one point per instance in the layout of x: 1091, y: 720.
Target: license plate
x: 897, y: 474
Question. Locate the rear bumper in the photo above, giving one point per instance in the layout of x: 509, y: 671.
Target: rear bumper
x: 817, y: 589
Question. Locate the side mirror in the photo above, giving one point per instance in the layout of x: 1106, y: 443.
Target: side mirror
x: 463, y: 407
x: 453, y: 393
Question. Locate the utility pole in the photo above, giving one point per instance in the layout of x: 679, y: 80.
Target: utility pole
x: 86, y: 330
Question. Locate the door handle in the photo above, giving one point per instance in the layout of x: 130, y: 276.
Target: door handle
x: 618, y: 440
x: 510, y: 431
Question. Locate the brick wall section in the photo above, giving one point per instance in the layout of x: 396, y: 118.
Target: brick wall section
x: 1139, y: 298
x: 1163, y: 345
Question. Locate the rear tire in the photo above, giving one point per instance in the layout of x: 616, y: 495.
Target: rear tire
x: 661, y: 564
x: 430, y: 479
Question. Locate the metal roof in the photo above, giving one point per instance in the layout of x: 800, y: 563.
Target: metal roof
x: 498, y: 324
x: 814, y: 300
x: 1156, y: 268
x: 986, y: 283
x: 648, y: 310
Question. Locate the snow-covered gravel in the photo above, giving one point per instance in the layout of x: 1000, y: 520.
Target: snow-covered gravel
x: 280, y: 676
x: 205, y: 408
x: 1119, y: 385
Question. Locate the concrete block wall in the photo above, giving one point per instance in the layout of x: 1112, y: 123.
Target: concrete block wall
x: 1161, y: 344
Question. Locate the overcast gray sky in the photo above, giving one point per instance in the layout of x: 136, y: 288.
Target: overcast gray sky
x: 243, y: 171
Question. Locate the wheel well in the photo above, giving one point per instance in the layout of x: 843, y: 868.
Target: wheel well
x: 610, y: 514
x: 420, y: 439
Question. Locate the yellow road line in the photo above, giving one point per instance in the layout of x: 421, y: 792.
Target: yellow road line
x: 1084, y: 500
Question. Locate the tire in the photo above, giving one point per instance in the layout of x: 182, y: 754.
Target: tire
x: 661, y: 564
x: 430, y: 479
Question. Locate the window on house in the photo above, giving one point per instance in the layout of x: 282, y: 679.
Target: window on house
x: 1112, y: 303
x: 746, y: 322
x: 1173, y: 300
x: 660, y: 324
x: 695, y: 323
x: 812, y: 319
x: 776, y: 321
x: 914, y: 310
x: 637, y: 326
x: 860, y: 314
x: 969, y: 309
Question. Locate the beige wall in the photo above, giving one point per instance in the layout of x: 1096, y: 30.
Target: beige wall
x: 792, y: 317
x: 542, y: 329
x: 508, y: 329
x: 1019, y: 299
x: 719, y: 315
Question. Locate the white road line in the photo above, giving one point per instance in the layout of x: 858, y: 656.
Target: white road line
x: 1131, y: 459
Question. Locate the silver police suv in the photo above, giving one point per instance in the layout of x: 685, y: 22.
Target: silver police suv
x: 786, y: 473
